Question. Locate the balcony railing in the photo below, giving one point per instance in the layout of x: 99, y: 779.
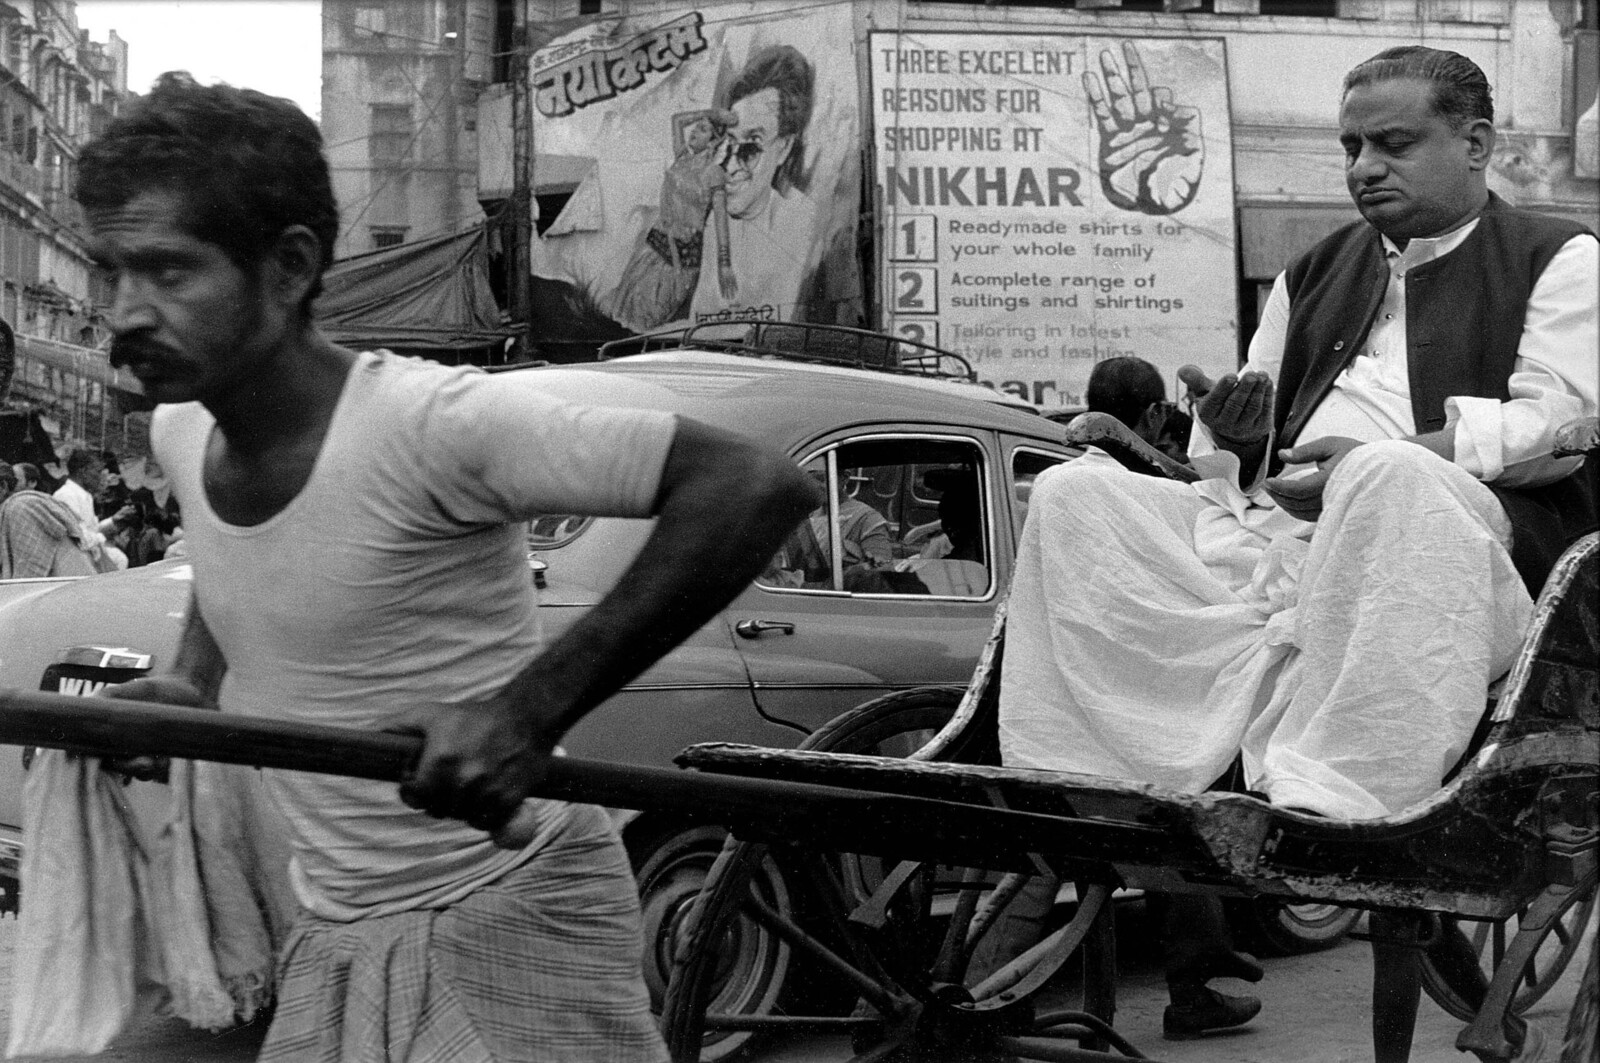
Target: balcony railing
x: 19, y: 175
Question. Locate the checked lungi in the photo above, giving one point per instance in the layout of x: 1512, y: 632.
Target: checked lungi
x: 540, y: 965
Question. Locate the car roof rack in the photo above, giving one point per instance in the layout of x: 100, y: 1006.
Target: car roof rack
x: 802, y: 342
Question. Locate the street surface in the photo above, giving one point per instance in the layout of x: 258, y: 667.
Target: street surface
x: 1315, y: 1011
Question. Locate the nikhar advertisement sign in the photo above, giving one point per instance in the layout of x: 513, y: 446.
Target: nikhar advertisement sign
x: 1051, y: 200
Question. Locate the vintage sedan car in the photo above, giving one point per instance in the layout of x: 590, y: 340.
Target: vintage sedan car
x: 870, y: 596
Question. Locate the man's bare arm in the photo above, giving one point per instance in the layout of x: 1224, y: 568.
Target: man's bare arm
x: 726, y: 504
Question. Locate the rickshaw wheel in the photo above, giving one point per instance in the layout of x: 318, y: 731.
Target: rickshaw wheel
x: 900, y: 934
x: 1490, y: 940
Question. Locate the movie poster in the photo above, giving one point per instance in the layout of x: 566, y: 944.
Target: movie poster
x: 1050, y: 201
x: 711, y: 168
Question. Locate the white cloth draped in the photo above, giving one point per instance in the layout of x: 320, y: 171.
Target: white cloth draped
x: 1156, y: 629
x: 112, y: 923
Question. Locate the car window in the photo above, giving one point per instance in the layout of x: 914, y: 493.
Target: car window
x: 904, y: 515
x: 1026, y: 465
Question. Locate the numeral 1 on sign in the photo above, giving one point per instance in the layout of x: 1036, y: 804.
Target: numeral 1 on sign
x: 915, y: 238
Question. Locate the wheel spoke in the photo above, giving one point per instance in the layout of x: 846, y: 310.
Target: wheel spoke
x: 953, y: 953
x: 799, y: 939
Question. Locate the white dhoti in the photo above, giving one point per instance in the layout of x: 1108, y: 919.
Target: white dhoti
x: 1157, y: 629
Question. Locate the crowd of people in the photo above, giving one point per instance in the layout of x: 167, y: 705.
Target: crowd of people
x: 91, y: 520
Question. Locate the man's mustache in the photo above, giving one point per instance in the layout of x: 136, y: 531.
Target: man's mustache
x: 128, y: 351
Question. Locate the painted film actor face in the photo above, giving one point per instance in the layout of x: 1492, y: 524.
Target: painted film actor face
x: 765, y: 147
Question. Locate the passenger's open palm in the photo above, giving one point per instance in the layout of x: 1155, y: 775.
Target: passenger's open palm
x: 1151, y: 150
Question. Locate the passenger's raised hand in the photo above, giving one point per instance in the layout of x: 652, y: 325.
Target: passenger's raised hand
x: 1236, y: 410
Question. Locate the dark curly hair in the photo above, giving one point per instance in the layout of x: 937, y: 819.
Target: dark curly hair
x: 247, y: 165
x: 784, y: 70
x: 1461, y: 92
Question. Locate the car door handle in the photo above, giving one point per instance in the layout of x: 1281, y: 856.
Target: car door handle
x: 754, y: 629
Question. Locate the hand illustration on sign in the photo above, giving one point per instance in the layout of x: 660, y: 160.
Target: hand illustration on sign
x: 1151, y: 149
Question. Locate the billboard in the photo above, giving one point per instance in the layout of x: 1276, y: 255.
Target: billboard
x: 710, y: 168
x: 1048, y: 201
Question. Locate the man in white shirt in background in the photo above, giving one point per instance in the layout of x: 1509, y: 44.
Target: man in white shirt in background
x: 86, y: 473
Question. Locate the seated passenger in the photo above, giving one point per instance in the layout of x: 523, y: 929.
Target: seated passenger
x: 951, y: 564
x: 863, y: 531
x: 805, y: 558
x: 1334, y: 597
x: 1130, y: 389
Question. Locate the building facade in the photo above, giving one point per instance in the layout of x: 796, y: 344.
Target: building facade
x: 57, y: 89
x: 400, y: 81
x: 416, y: 95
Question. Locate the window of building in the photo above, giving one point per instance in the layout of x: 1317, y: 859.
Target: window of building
x: 13, y: 32
x: 387, y: 236
x: 502, y: 46
x: 1301, y: 8
x: 590, y: 7
x: 391, y: 133
x: 368, y: 21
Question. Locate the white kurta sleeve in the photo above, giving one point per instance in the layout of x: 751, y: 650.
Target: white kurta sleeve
x: 1555, y: 378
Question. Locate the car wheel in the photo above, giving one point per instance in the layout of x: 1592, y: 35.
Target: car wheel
x: 753, y: 964
x: 1273, y: 928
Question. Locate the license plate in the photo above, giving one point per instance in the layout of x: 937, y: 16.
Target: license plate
x: 83, y: 681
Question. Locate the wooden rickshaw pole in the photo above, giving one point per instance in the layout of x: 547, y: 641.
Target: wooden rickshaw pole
x: 848, y: 820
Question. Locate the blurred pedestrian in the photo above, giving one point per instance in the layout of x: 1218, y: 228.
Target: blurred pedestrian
x: 86, y: 472
x: 27, y: 476
x: 354, y: 523
x: 39, y: 536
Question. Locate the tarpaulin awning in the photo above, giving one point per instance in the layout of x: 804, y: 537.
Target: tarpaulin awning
x: 90, y: 364
x: 432, y: 295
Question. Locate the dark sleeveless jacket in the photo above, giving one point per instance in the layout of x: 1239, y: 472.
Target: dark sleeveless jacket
x: 1464, y: 318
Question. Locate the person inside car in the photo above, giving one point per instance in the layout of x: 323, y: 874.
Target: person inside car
x: 950, y: 563
x: 354, y: 524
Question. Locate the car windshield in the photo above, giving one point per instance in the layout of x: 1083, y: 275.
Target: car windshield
x: 554, y: 530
